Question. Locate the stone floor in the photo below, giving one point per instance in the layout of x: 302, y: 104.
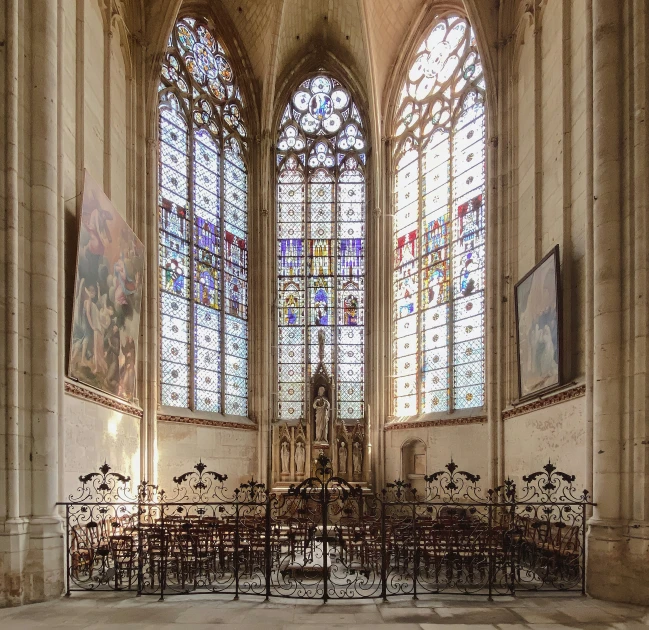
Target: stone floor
x: 537, y: 612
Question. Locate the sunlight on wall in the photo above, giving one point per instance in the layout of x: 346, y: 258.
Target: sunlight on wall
x: 112, y: 427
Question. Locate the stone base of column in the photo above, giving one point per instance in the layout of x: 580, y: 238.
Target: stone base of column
x: 616, y: 564
x: 31, y: 560
x: 45, y: 569
x: 14, y: 542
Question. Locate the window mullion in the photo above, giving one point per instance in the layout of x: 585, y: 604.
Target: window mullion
x: 222, y: 264
x: 192, y: 275
x: 305, y: 284
x: 451, y: 296
x: 420, y: 313
x: 334, y: 328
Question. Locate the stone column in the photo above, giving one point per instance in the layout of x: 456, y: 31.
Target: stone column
x: 13, y: 525
x: 606, y: 525
x: 44, y: 574
x: 638, y: 550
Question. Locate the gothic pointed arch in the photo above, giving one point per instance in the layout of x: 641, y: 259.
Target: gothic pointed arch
x: 321, y: 155
x: 203, y: 224
x: 438, y: 127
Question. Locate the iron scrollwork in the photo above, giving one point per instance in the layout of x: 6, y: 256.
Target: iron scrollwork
x: 325, y: 537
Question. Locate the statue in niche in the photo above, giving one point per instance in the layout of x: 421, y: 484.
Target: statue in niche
x: 357, y: 456
x: 285, y: 456
x: 342, y: 457
x: 300, y: 457
x: 321, y: 405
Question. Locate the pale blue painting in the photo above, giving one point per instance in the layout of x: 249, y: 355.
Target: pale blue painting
x: 537, y: 308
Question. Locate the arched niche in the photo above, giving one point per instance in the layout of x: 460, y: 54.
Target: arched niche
x: 413, y: 464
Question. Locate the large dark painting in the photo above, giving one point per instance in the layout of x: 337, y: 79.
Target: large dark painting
x: 107, y: 297
x: 538, y: 327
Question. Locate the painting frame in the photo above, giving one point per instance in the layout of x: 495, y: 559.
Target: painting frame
x: 547, y: 269
x: 107, y: 304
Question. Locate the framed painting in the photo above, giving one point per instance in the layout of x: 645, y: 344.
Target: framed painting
x: 107, y: 298
x: 537, y: 299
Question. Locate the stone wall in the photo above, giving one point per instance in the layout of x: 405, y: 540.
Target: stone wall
x: 464, y: 443
x: 567, y: 165
x: 95, y: 434
x: 233, y: 452
x: 548, y: 188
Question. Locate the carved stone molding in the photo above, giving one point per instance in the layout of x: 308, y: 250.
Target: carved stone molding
x: 101, y: 399
x: 548, y: 401
x: 208, y: 423
x: 443, y: 422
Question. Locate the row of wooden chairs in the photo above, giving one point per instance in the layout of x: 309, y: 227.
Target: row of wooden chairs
x: 189, y: 549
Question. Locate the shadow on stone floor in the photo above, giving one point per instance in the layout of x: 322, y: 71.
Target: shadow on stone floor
x: 93, y: 612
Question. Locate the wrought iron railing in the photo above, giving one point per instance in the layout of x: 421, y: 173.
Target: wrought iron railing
x: 326, y: 538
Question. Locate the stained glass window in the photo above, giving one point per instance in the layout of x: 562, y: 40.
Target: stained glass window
x: 321, y: 152
x: 203, y: 194
x: 439, y: 226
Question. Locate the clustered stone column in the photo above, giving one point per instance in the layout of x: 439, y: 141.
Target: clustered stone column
x: 32, y: 546
x: 616, y: 566
x: 45, y: 549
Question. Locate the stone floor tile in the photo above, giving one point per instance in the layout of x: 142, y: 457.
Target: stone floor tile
x: 270, y: 616
x: 589, y: 614
x: 368, y: 617
x: 486, y: 615
x: 628, y: 611
x: 408, y: 615
x: 44, y: 617
x: 463, y: 601
x: 405, y: 601
x: 205, y: 614
x: 328, y: 619
x: 385, y: 626
x: 543, y: 615
x: 222, y: 613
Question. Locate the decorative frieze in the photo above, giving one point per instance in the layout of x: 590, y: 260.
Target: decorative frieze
x: 548, y: 401
x: 442, y: 422
x: 101, y: 399
x: 222, y: 424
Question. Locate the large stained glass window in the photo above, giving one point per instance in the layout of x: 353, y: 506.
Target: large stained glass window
x: 321, y: 153
x: 439, y: 236
x: 203, y: 227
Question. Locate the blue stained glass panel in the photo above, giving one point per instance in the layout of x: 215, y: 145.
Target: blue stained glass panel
x: 211, y: 218
x: 320, y: 247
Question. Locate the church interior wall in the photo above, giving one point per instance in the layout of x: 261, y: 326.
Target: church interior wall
x: 463, y: 443
x: 95, y: 137
x: 545, y: 85
x: 555, y: 434
x: 549, y: 178
x: 95, y: 434
x: 233, y: 452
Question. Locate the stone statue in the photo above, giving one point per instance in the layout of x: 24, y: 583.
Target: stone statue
x: 357, y: 455
x: 285, y: 456
x: 321, y: 406
x: 342, y: 457
x: 300, y: 456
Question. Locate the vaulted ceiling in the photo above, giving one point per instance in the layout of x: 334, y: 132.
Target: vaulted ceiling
x: 275, y: 32
x: 365, y: 35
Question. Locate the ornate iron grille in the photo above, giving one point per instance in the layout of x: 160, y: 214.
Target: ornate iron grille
x: 326, y: 538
